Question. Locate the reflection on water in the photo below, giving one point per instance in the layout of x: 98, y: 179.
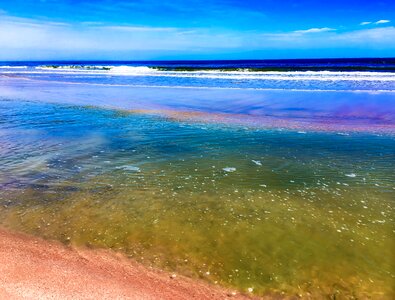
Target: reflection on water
x: 278, y: 211
x: 371, y: 111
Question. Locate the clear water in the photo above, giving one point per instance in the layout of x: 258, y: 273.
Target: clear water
x: 286, y: 192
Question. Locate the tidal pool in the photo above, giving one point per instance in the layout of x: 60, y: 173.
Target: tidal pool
x: 276, y: 211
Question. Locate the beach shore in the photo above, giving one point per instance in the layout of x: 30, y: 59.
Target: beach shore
x: 33, y: 268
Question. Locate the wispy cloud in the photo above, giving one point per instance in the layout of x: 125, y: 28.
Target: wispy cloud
x: 18, y: 21
x: 298, y: 35
x: 376, y: 23
x: 315, y: 30
x: 31, y: 39
x: 373, y: 37
x: 137, y: 28
x: 377, y: 37
x: 382, y: 21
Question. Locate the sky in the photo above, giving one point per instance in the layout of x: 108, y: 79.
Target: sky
x: 195, y: 29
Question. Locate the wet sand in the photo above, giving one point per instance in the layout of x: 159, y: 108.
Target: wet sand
x: 32, y: 268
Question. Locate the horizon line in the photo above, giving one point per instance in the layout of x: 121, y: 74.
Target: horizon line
x: 197, y: 60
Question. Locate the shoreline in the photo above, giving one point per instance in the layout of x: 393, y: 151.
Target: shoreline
x: 33, y: 268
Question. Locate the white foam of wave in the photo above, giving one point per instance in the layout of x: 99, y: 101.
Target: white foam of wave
x: 283, y: 76
x: 126, y: 70
x: 279, y: 77
x: 73, y: 68
x: 245, y: 75
x: 100, y: 69
x: 13, y: 67
x: 218, y: 74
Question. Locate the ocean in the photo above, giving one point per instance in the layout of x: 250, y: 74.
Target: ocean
x: 272, y: 177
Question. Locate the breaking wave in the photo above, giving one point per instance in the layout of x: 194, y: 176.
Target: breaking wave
x: 239, y: 74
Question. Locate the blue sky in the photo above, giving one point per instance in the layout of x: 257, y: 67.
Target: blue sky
x: 182, y: 29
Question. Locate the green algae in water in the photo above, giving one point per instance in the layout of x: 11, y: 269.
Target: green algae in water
x: 313, y: 217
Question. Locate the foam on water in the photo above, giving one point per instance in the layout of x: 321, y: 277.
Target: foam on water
x: 257, y: 162
x: 13, y: 67
x: 126, y: 70
x: 239, y: 78
x: 130, y: 168
x: 220, y: 74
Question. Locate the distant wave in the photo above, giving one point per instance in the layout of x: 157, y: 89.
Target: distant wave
x: 240, y: 74
x: 13, y: 67
x: 74, y: 68
x: 230, y: 68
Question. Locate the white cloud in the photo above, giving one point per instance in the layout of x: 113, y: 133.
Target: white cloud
x: 382, y: 21
x: 137, y: 28
x: 315, y: 30
x: 32, y: 39
x: 376, y: 23
x: 373, y: 38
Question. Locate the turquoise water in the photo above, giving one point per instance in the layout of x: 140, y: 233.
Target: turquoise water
x: 280, y: 211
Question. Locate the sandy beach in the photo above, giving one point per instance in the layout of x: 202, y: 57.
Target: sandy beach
x: 32, y: 268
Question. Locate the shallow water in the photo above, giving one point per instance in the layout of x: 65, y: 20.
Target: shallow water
x: 272, y: 182
x: 328, y: 110
x: 276, y: 210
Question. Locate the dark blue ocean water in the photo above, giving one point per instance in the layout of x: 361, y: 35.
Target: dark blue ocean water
x: 357, y: 64
x: 325, y: 74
